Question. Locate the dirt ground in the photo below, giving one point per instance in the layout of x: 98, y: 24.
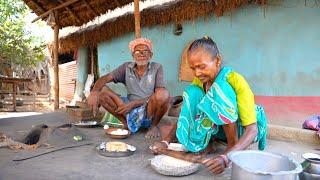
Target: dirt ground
x: 29, y: 108
x: 84, y: 162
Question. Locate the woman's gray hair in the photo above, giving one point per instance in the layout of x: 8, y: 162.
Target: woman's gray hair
x: 207, y: 43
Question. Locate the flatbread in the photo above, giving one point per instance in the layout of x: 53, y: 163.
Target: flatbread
x: 116, y: 147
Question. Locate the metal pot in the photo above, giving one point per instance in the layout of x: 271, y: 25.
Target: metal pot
x: 260, y: 165
x: 308, y: 176
x: 311, y: 167
x: 311, y: 163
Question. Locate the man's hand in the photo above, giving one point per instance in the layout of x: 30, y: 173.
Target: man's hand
x: 215, y: 165
x: 126, y: 108
x: 158, y: 145
x: 93, y: 102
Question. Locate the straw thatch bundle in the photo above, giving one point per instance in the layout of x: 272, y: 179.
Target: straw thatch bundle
x: 176, y: 11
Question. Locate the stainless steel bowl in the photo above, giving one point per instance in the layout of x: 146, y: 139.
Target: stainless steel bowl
x: 260, y: 165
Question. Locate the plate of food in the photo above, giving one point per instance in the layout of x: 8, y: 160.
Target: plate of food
x: 86, y: 124
x: 115, y: 149
x: 117, y: 133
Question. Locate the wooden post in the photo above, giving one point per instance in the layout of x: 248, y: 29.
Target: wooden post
x: 55, y: 63
x: 14, y: 97
x: 137, y: 19
x: 92, y: 61
x: 34, y: 94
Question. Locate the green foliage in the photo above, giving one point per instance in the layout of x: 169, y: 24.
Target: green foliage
x: 17, y: 45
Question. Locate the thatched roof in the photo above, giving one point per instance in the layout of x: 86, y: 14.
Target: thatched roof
x: 77, y: 13
x: 177, y: 11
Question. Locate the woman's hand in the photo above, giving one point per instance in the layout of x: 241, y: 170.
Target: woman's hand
x: 215, y: 165
x: 158, y: 145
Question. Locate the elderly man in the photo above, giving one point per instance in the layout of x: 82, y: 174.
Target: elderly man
x: 147, y: 98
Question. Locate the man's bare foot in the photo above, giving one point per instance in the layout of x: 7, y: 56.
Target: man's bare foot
x: 153, y: 132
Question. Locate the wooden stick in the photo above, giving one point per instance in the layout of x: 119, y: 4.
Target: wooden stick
x: 55, y: 64
x: 137, y: 19
x: 55, y: 8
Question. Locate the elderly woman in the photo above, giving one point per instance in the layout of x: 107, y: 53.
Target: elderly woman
x: 218, y: 104
x: 147, y: 99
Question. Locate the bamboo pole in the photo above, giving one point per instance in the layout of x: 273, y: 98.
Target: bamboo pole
x: 55, y: 63
x: 137, y: 19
